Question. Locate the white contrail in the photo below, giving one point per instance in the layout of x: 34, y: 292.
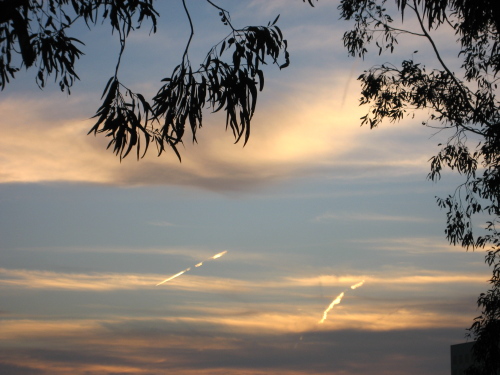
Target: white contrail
x: 358, y: 284
x: 173, y: 277
x: 196, y: 265
x: 336, y: 301
x: 218, y: 255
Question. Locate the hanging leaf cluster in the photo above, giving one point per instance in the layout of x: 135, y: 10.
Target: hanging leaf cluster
x: 38, y: 32
x: 230, y: 84
x: 35, y: 34
x: 121, y: 118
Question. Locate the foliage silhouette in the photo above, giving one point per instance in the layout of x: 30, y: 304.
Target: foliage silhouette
x: 125, y: 116
x: 462, y: 102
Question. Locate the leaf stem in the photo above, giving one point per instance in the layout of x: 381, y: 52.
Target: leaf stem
x: 191, y: 34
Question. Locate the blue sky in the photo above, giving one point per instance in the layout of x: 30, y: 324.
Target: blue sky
x: 312, y: 205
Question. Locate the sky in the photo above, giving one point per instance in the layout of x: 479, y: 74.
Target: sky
x: 312, y: 207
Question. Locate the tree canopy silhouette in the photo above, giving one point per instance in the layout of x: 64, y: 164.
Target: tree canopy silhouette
x: 462, y: 102
x: 38, y: 31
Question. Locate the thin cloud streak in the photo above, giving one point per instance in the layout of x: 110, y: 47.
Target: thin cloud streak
x: 104, y: 282
x: 424, y: 279
x: 347, y: 216
x: 36, y: 279
x: 348, y: 315
x: 414, y: 245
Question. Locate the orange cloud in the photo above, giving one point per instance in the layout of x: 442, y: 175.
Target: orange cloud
x: 101, y: 282
x: 303, y: 130
x: 393, y: 280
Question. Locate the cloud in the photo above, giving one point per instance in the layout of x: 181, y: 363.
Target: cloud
x: 413, y: 245
x: 392, y: 279
x: 329, y: 216
x: 27, y: 329
x: 34, y: 279
x: 289, y: 304
x: 36, y: 147
x: 155, y: 346
x: 102, y: 282
x: 38, y: 279
x: 64, y: 152
x: 302, y: 134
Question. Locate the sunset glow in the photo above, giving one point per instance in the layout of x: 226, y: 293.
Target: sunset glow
x: 112, y: 266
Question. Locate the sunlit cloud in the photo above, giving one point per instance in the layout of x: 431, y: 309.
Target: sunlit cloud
x: 394, y: 279
x: 273, y: 153
x: 37, y: 279
x: 285, y: 143
x: 400, y: 318
x: 350, y: 314
x: 33, y: 329
x: 105, y: 282
x: 289, y: 311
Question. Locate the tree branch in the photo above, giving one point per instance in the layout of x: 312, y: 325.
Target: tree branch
x: 445, y: 67
x: 192, y: 31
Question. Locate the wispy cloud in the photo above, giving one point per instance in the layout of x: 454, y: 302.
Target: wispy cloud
x: 416, y: 245
x: 105, y: 282
x: 34, y: 279
x: 289, y: 304
x: 393, y: 279
x: 349, y: 216
x: 37, y: 279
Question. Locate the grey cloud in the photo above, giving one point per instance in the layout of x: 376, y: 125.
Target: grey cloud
x: 204, y: 349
